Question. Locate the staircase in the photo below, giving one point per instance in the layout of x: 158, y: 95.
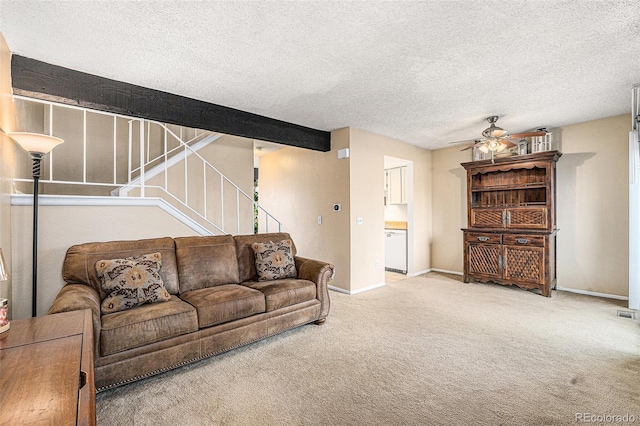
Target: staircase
x: 149, y: 160
x: 161, y: 164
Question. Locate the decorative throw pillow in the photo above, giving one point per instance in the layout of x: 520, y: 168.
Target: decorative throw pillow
x: 131, y: 282
x: 274, y: 260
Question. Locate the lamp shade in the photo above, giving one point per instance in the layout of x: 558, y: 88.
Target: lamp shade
x: 4, y: 273
x: 35, y: 142
x: 493, y: 144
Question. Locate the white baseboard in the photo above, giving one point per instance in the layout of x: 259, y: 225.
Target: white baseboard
x: 360, y: 290
x: 592, y: 293
x: 444, y: 271
x: 426, y: 271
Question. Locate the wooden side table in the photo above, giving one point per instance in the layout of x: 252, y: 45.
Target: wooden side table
x: 46, y: 371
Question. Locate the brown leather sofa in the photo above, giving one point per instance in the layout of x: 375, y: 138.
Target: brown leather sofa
x: 217, y: 302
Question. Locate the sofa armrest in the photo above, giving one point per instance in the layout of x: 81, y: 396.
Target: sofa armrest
x: 320, y: 273
x: 75, y: 297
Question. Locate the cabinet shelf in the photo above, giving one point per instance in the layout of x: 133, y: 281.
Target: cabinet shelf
x: 512, y: 197
x: 500, y: 205
x: 536, y: 185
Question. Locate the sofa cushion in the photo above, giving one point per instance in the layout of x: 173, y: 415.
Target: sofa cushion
x: 206, y: 262
x: 79, y: 263
x: 224, y: 303
x: 131, y: 282
x: 246, y: 258
x: 274, y: 260
x: 281, y: 293
x: 146, y: 324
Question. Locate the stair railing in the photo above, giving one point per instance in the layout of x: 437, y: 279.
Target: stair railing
x: 206, y: 167
x: 141, y: 174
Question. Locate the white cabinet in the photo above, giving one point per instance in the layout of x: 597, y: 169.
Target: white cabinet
x: 395, y: 185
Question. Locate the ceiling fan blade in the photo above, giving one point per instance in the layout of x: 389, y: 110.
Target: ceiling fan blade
x: 527, y: 134
x: 509, y: 144
x: 476, y: 142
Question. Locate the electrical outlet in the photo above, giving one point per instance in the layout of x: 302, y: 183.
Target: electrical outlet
x: 377, y: 264
x: 358, y: 221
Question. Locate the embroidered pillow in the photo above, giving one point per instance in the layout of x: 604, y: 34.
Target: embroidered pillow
x: 274, y: 260
x: 131, y: 282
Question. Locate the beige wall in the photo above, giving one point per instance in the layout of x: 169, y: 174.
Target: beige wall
x: 7, y: 161
x: 14, y: 161
x: 367, y: 201
x: 592, y: 206
x: 297, y: 186
x: 449, y: 207
x: 63, y: 226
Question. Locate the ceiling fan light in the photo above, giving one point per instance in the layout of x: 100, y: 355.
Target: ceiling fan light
x: 502, y: 147
x: 493, y: 145
x: 484, y: 148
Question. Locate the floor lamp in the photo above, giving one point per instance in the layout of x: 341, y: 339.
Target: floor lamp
x: 37, y: 145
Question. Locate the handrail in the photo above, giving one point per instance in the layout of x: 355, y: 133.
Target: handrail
x: 140, y: 173
x: 172, y: 150
x: 222, y: 176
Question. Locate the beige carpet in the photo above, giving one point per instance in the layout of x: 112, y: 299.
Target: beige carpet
x: 428, y: 350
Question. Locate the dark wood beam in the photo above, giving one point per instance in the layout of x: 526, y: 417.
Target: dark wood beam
x: 41, y: 80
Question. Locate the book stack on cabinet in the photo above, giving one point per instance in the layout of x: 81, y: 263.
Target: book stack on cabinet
x: 511, y: 209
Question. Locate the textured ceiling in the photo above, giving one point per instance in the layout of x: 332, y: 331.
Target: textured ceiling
x: 426, y: 73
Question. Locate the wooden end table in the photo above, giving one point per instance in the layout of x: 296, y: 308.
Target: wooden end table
x: 46, y: 370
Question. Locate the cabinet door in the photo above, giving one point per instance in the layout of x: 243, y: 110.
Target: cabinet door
x: 484, y: 260
x: 403, y: 190
x: 524, y: 264
x: 487, y: 218
x: 395, y: 185
x: 527, y: 218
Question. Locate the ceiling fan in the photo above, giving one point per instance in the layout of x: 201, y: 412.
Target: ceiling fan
x: 496, y: 139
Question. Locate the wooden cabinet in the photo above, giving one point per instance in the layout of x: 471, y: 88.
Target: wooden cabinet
x: 395, y: 185
x: 511, y: 237
x: 46, y: 370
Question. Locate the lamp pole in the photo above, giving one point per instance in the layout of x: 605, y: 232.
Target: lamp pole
x: 37, y: 161
x: 37, y: 145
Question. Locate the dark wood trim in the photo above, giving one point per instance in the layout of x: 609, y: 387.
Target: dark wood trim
x: 41, y: 80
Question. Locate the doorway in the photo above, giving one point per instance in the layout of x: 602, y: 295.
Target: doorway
x: 398, y: 218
